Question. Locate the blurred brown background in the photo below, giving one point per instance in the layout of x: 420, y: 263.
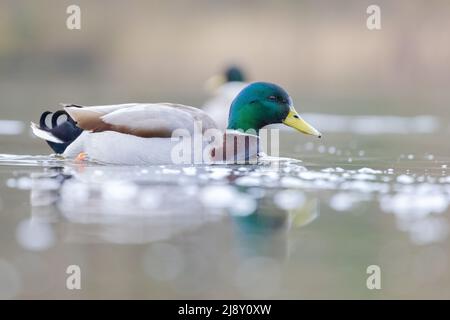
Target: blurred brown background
x: 151, y: 51
x: 324, y: 55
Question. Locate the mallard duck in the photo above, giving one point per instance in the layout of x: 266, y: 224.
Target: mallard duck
x: 142, y: 133
x: 224, y: 87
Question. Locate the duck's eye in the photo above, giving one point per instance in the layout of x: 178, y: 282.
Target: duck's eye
x: 273, y: 98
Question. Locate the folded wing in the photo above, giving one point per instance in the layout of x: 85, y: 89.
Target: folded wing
x: 142, y: 120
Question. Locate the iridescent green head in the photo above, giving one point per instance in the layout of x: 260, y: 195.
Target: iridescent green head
x: 262, y: 103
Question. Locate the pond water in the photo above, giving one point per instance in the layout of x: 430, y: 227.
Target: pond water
x: 284, y: 228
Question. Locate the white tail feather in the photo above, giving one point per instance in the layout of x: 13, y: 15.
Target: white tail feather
x: 44, y: 134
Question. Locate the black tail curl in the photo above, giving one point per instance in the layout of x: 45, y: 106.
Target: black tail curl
x: 66, y: 131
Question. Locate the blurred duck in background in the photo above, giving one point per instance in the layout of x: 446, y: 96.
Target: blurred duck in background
x: 224, y: 88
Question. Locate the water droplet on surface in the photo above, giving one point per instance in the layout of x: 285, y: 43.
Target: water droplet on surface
x: 289, y: 199
x: 429, y: 231
x: 34, y: 235
x: 74, y: 193
x: 119, y: 191
x: 405, y: 179
x: 22, y: 183
x: 170, y: 171
x: 344, y: 201
x: 220, y: 196
x: 248, y: 181
x: 219, y: 173
x: 369, y: 170
x: 190, y: 171
x: 99, y: 173
x: 243, y: 205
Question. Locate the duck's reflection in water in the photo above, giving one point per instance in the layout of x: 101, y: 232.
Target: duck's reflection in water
x: 102, y: 206
x: 265, y: 231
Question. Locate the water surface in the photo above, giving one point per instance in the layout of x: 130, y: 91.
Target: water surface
x: 280, y: 229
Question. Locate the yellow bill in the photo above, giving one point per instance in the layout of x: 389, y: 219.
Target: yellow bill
x: 293, y: 120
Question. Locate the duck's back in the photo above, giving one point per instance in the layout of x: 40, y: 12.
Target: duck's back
x: 145, y: 120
